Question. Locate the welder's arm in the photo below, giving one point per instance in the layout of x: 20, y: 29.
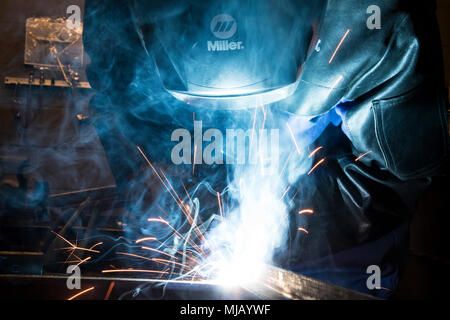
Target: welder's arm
x: 395, y: 112
x: 301, y: 133
x: 401, y: 119
x: 391, y: 80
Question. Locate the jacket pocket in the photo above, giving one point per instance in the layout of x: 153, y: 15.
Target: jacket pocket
x: 412, y: 132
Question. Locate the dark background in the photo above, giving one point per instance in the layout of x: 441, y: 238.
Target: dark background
x: 429, y: 259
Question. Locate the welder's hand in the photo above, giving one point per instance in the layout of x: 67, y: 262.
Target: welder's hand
x: 301, y: 132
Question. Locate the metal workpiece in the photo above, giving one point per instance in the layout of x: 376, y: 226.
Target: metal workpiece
x: 53, y: 287
x: 279, y: 284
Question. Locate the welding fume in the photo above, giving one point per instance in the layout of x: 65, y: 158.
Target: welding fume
x: 292, y: 133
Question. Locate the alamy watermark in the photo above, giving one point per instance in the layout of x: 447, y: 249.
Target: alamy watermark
x: 74, y: 278
x: 374, y: 280
x: 374, y: 20
x: 74, y: 17
x: 234, y: 146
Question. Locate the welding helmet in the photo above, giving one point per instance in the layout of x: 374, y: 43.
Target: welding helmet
x: 229, y: 54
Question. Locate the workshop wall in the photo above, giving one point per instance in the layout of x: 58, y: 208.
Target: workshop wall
x: 40, y: 124
x: 443, y: 14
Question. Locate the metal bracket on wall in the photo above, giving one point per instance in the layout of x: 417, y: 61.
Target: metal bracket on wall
x: 45, y: 82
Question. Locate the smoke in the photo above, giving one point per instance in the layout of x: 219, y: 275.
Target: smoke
x: 229, y: 217
x: 247, y: 235
x: 218, y: 222
x: 245, y: 220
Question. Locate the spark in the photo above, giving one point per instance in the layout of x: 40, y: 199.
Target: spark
x: 146, y: 239
x: 195, y: 158
x: 339, y: 46
x: 171, y: 187
x: 95, y: 245
x: 161, y: 220
x: 315, y: 166
x: 293, y: 197
x: 83, y: 261
x: 133, y: 255
x: 156, y: 172
x: 314, y: 152
x: 178, y: 201
x: 174, y: 195
x: 197, y: 229
x: 185, y: 211
x: 362, y: 156
x: 293, y: 138
x: 187, y: 193
x: 72, y: 253
x: 339, y: 79
x: 284, y: 166
x: 135, y: 270
x: 284, y: 194
x: 108, y: 293
x: 160, y: 252
x: 171, y: 248
x: 303, y: 230
x: 189, y: 257
x: 382, y: 288
x: 72, y: 246
x: 80, y: 293
x: 263, y: 109
x: 69, y: 261
x: 165, y: 261
x: 253, y: 130
x: 220, y: 205
x: 306, y: 211
x: 67, y: 241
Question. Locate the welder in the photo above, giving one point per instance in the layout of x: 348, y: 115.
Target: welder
x: 367, y: 74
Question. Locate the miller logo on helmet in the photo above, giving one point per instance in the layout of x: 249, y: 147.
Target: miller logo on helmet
x: 224, y: 26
